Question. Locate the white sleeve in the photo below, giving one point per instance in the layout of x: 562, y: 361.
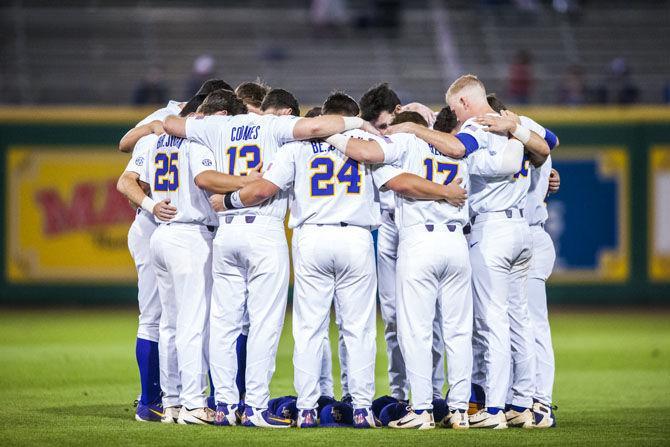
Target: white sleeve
x: 473, y: 137
x: 201, y: 159
x: 205, y: 130
x: 491, y: 163
x: 382, y: 173
x: 394, y: 150
x: 282, y: 128
x: 139, y: 160
x: 281, y: 171
x: 532, y: 125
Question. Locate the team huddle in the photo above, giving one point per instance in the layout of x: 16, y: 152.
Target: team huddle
x: 462, y: 257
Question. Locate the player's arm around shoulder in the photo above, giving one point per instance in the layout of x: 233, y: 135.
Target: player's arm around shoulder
x: 445, y: 143
x: 364, y: 148
x: 133, y: 136
x: 414, y: 187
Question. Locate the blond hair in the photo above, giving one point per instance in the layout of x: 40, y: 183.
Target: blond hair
x: 468, y: 81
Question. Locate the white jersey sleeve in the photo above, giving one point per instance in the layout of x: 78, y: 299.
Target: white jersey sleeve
x: 139, y: 160
x: 201, y: 159
x: 382, y: 173
x: 532, y: 125
x: 281, y: 128
x: 473, y: 137
x: 172, y: 108
x: 206, y: 130
x: 281, y: 171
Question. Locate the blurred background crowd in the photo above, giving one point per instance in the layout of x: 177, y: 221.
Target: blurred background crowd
x: 569, y: 52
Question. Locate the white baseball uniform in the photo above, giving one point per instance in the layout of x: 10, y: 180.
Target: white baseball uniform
x: 432, y: 271
x: 139, y: 235
x: 541, y: 267
x: 181, y: 252
x: 251, y: 261
x: 500, y: 253
x: 334, y: 205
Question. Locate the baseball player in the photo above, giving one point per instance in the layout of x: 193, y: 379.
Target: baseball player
x: 425, y: 281
x: 379, y: 106
x: 500, y: 249
x: 149, y: 407
x: 333, y: 207
x: 542, y: 264
x: 251, y: 264
x: 181, y: 256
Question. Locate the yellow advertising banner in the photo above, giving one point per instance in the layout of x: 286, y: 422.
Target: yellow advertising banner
x: 65, y: 220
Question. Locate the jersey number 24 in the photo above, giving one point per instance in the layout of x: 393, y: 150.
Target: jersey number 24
x: 322, y: 180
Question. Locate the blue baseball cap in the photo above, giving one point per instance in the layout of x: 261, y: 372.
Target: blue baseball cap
x: 337, y: 414
x: 393, y: 412
x: 284, y: 406
x: 322, y: 403
x: 379, y: 403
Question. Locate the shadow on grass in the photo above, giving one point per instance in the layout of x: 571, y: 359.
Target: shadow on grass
x: 124, y: 412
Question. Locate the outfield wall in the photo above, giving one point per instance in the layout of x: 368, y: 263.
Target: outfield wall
x: 64, y: 225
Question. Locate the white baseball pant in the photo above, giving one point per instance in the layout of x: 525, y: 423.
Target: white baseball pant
x: 326, y: 380
x: 251, y: 271
x: 500, y: 254
x: 334, y: 262
x: 387, y: 255
x: 139, y: 236
x: 433, y: 268
x: 182, y: 259
x: 541, y: 266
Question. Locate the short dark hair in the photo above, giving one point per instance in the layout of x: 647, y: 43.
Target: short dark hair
x: 314, y: 111
x: 211, y: 85
x: 220, y: 100
x: 281, y: 99
x: 409, y: 117
x: 339, y: 103
x: 376, y: 100
x: 446, y: 120
x: 495, y: 103
x: 192, y: 105
x: 252, y: 93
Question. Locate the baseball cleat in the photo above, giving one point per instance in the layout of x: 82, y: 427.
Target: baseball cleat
x: 307, y: 419
x: 226, y: 415
x: 149, y: 413
x: 543, y: 415
x: 257, y: 417
x: 484, y: 419
x: 171, y: 414
x: 363, y: 418
x: 523, y: 419
x: 196, y: 416
x: 415, y: 419
x: 457, y: 419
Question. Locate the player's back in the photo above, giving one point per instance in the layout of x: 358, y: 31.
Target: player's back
x: 329, y: 188
x: 418, y: 157
x: 172, y: 108
x: 172, y: 165
x: 535, y: 211
x: 240, y: 143
x: 490, y: 191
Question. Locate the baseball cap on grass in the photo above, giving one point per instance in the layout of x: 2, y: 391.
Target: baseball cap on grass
x: 379, y: 403
x: 323, y: 402
x: 279, y: 405
x: 393, y: 412
x: 337, y: 414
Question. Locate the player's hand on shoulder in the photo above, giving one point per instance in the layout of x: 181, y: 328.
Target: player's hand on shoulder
x: 156, y: 127
x: 369, y: 128
x: 216, y: 201
x: 255, y: 173
x: 164, y: 211
x: 422, y: 110
x: 455, y: 194
x: 511, y: 115
x: 554, y: 182
x: 398, y: 128
x: 496, y: 124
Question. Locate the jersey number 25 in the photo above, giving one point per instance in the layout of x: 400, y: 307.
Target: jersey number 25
x: 167, y: 171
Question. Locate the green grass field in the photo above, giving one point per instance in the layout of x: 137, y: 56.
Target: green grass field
x: 69, y: 378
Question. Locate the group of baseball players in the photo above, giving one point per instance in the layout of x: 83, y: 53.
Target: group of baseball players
x: 457, y: 199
